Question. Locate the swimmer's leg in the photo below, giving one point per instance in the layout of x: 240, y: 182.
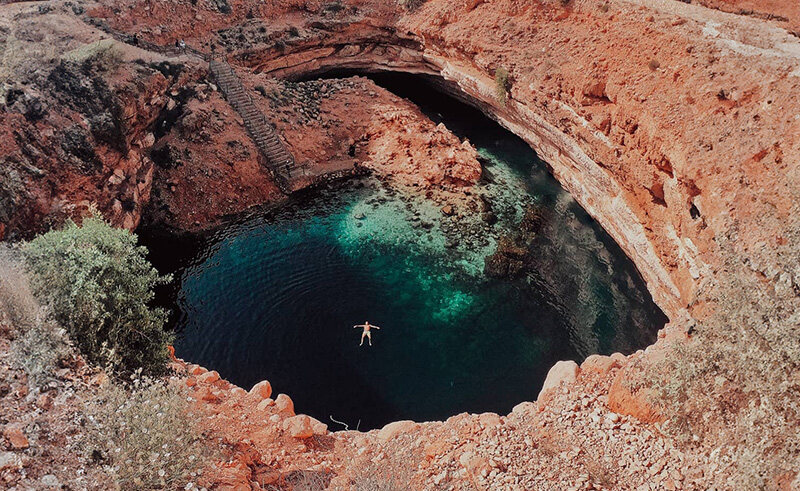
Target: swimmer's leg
x: 362, y: 337
x: 369, y: 337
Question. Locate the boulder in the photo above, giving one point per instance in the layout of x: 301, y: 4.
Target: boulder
x: 50, y: 481
x: 262, y: 390
x: 447, y: 210
x: 393, y: 429
x: 436, y: 448
x: 207, y: 395
x: 10, y: 460
x: 489, y: 420
x: 475, y: 465
x: 264, y: 404
x: 562, y: 371
x: 208, y: 377
x: 319, y: 427
x: 45, y: 401
x: 284, y: 405
x: 523, y: 409
x: 299, y: 426
x: 16, y: 438
x: 598, y: 364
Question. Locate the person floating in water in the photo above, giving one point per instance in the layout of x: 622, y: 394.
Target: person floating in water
x: 365, y: 333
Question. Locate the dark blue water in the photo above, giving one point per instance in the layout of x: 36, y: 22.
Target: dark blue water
x: 275, y: 295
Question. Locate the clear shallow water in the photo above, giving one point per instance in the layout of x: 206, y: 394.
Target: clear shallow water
x: 275, y: 295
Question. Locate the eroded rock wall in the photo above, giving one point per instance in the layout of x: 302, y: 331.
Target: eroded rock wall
x: 655, y: 118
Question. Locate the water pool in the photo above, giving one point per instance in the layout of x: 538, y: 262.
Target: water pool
x: 275, y: 295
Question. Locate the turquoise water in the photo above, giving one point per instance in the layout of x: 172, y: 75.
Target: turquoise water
x: 275, y: 295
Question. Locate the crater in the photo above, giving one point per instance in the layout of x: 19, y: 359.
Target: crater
x: 475, y: 302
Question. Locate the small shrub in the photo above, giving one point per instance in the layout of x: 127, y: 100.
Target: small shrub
x: 17, y: 304
x: 603, y: 7
x: 378, y: 483
x: 306, y: 481
x: 103, y: 54
x: 654, y: 65
x: 410, y: 5
x: 39, y: 344
x: 600, y: 473
x: 40, y: 350
x: 333, y: 7
x: 393, y: 474
x: 143, y: 435
x: 99, y: 284
x: 501, y: 85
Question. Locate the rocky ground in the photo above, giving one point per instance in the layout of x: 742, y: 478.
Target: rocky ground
x: 43, y: 421
x: 570, y: 438
x: 673, y: 124
x: 184, y: 161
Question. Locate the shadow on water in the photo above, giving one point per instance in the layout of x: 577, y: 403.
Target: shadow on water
x: 275, y: 295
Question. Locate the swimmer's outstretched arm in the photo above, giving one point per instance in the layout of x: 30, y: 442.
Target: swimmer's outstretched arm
x: 359, y: 325
x: 373, y: 326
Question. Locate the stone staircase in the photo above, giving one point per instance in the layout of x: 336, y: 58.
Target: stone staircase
x: 280, y: 161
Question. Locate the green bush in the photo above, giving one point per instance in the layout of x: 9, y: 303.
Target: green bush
x: 501, y: 85
x: 99, y: 284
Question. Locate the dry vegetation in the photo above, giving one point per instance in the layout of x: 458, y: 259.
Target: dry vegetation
x: 735, y: 386
x: 143, y: 434
x: 501, y: 85
x: 410, y: 5
x: 140, y: 430
x: 378, y: 482
x: 103, y: 54
x: 38, y: 344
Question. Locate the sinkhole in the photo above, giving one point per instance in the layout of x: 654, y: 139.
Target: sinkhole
x: 274, y: 295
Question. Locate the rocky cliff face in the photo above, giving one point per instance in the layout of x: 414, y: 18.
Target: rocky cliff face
x: 77, y: 120
x: 674, y: 125
x: 639, y: 112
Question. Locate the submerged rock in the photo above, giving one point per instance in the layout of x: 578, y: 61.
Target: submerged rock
x: 532, y: 221
x: 496, y: 266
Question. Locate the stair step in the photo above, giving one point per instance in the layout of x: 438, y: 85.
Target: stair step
x: 263, y: 134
